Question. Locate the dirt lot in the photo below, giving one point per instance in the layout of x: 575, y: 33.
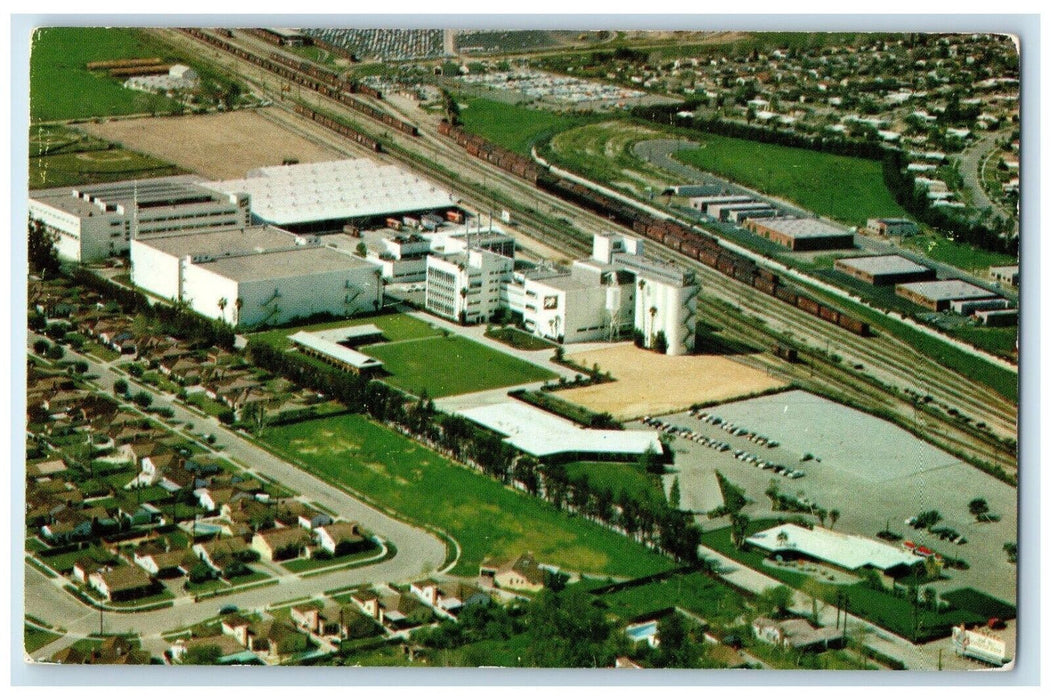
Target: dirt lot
x: 218, y: 146
x: 652, y: 384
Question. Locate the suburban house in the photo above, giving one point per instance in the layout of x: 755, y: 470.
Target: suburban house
x: 281, y: 543
x: 239, y: 628
x: 521, y: 574
x: 162, y: 563
x: 122, y: 583
x: 449, y: 596
x: 340, y: 538
x: 221, y: 552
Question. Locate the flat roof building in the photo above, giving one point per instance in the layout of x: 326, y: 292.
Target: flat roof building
x: 542, y: 434
x: 255, y: 276
x: 334, y: 353
x: 849, y: 552
x: 892, y: 227
x: 938, y: 295
x: 884, y: 269
x: 327, y: 196
x: 801, y: 234
x: 93, y: 222
x: 1005, y: 274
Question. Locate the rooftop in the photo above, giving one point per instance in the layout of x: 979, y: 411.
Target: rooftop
x: 540, y: 433
x: 882, y: 264
x: 803, y: 228
x: 847, y: 551
x: 85, y: 200
x: 947, y: 290
x: 287, y: 263
x: 219, y: 242
x: 344, y: 189
x: 334, y: 350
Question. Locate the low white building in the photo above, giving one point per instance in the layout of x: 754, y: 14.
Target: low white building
x: 255, y: 276
x: 93, y: 222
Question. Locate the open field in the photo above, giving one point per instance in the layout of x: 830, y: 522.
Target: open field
x: 839, y: 187
x: 957, y: 254
x: 604, y: 152
x: 60, y: 156
x: 61, y: 87
x: 224, y: 146
x: 446, y: 366
x: 652, y: 384
x: 515, y: 128
x: 620, y: 477
x: 486, y: 518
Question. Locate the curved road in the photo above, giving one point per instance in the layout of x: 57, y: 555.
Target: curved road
x: 418, y: 551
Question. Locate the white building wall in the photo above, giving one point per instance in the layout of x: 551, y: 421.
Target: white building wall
x: 203, y: 289
x: 82, y: 239
x: 670, y: 308
x: 339, y: 292
x: 155, y: 271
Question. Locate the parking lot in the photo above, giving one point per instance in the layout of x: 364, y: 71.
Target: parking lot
x: 875, y: 474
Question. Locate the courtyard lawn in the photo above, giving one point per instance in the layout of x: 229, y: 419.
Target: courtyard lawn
x: 446, y: 366
x: 61, y: 87
x: 697, y: 592
x: 843, y: 188
x: 395, y: 327
x: 486, y: 518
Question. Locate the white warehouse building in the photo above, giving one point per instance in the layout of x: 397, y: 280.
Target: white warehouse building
x: 255, y: 276
x: 92, y: 222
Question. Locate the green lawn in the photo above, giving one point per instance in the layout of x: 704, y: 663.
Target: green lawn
x: 620, y: 476
x: 847, y: 189
x: 61, y: 87
x: 957, y: 254
x: 697, y: 592
x: 395, y: 327
x: 446, y: 366
x: 37, y: 638
x: 515, y: 128
x: 486, y: 518
x: 300, y: 565
x: 520, y: 340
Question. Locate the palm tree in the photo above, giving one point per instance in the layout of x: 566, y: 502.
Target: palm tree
x: 238, y: 303
x: 833, y: 516
x: 653, y: 318
x: 222, y: 307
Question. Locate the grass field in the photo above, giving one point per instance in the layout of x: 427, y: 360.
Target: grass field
x: 484, y: 517
x: 961, y: 255
x: 37, y: 638
x: 847, y: 189
x: 520, y: 340
x: 515, y: 128
x: 446, y: 366
x: 395, y: 327
x: 618, y: 477
x: 603, y: 152
x: 61, y: 87
x: 60, y: 156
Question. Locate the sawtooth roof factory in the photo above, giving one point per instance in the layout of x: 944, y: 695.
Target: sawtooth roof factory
x: 326, y: 197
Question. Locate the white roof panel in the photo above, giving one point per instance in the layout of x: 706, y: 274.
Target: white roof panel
x: 334, y: 350
x: 846, y: 551
x: 540, y: 433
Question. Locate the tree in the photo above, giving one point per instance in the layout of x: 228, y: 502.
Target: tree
x: 833, y: 516
x: 776, y: 600
x: 120, y: 387
x: 43, y: 256
x: 674, y: 495
x: 55, y: 352
x: 1011, y: 548
x: 650, y: 462
x: 361, y: 249
x: 738, y: 529
x: 979, y: 508
x: 143, y: 399
x: 202, y: 655
x: 40, y: 346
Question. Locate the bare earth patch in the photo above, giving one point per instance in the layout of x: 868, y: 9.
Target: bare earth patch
x: 652, y: 384
x: 218, y: 146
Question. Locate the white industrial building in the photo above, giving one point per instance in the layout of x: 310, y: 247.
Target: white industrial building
x: 402, y: 257
x: 467, y: 287
x: 179, y: 77
x: 92, y: 222
x: 613, y: 294
x: 325, y: 197
x: 255, y: 276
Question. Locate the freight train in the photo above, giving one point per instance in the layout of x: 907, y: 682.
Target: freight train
x: 693, y: 244
x: 313, y: 77
x: 339, y: 127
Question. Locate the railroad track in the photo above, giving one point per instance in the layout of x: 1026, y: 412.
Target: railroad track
x: 465, y: 175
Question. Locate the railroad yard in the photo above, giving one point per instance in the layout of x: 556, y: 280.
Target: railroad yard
x: 792, y: 400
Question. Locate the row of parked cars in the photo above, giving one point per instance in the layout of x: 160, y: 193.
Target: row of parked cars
x: 733, y: 429
x: 721, y: 446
